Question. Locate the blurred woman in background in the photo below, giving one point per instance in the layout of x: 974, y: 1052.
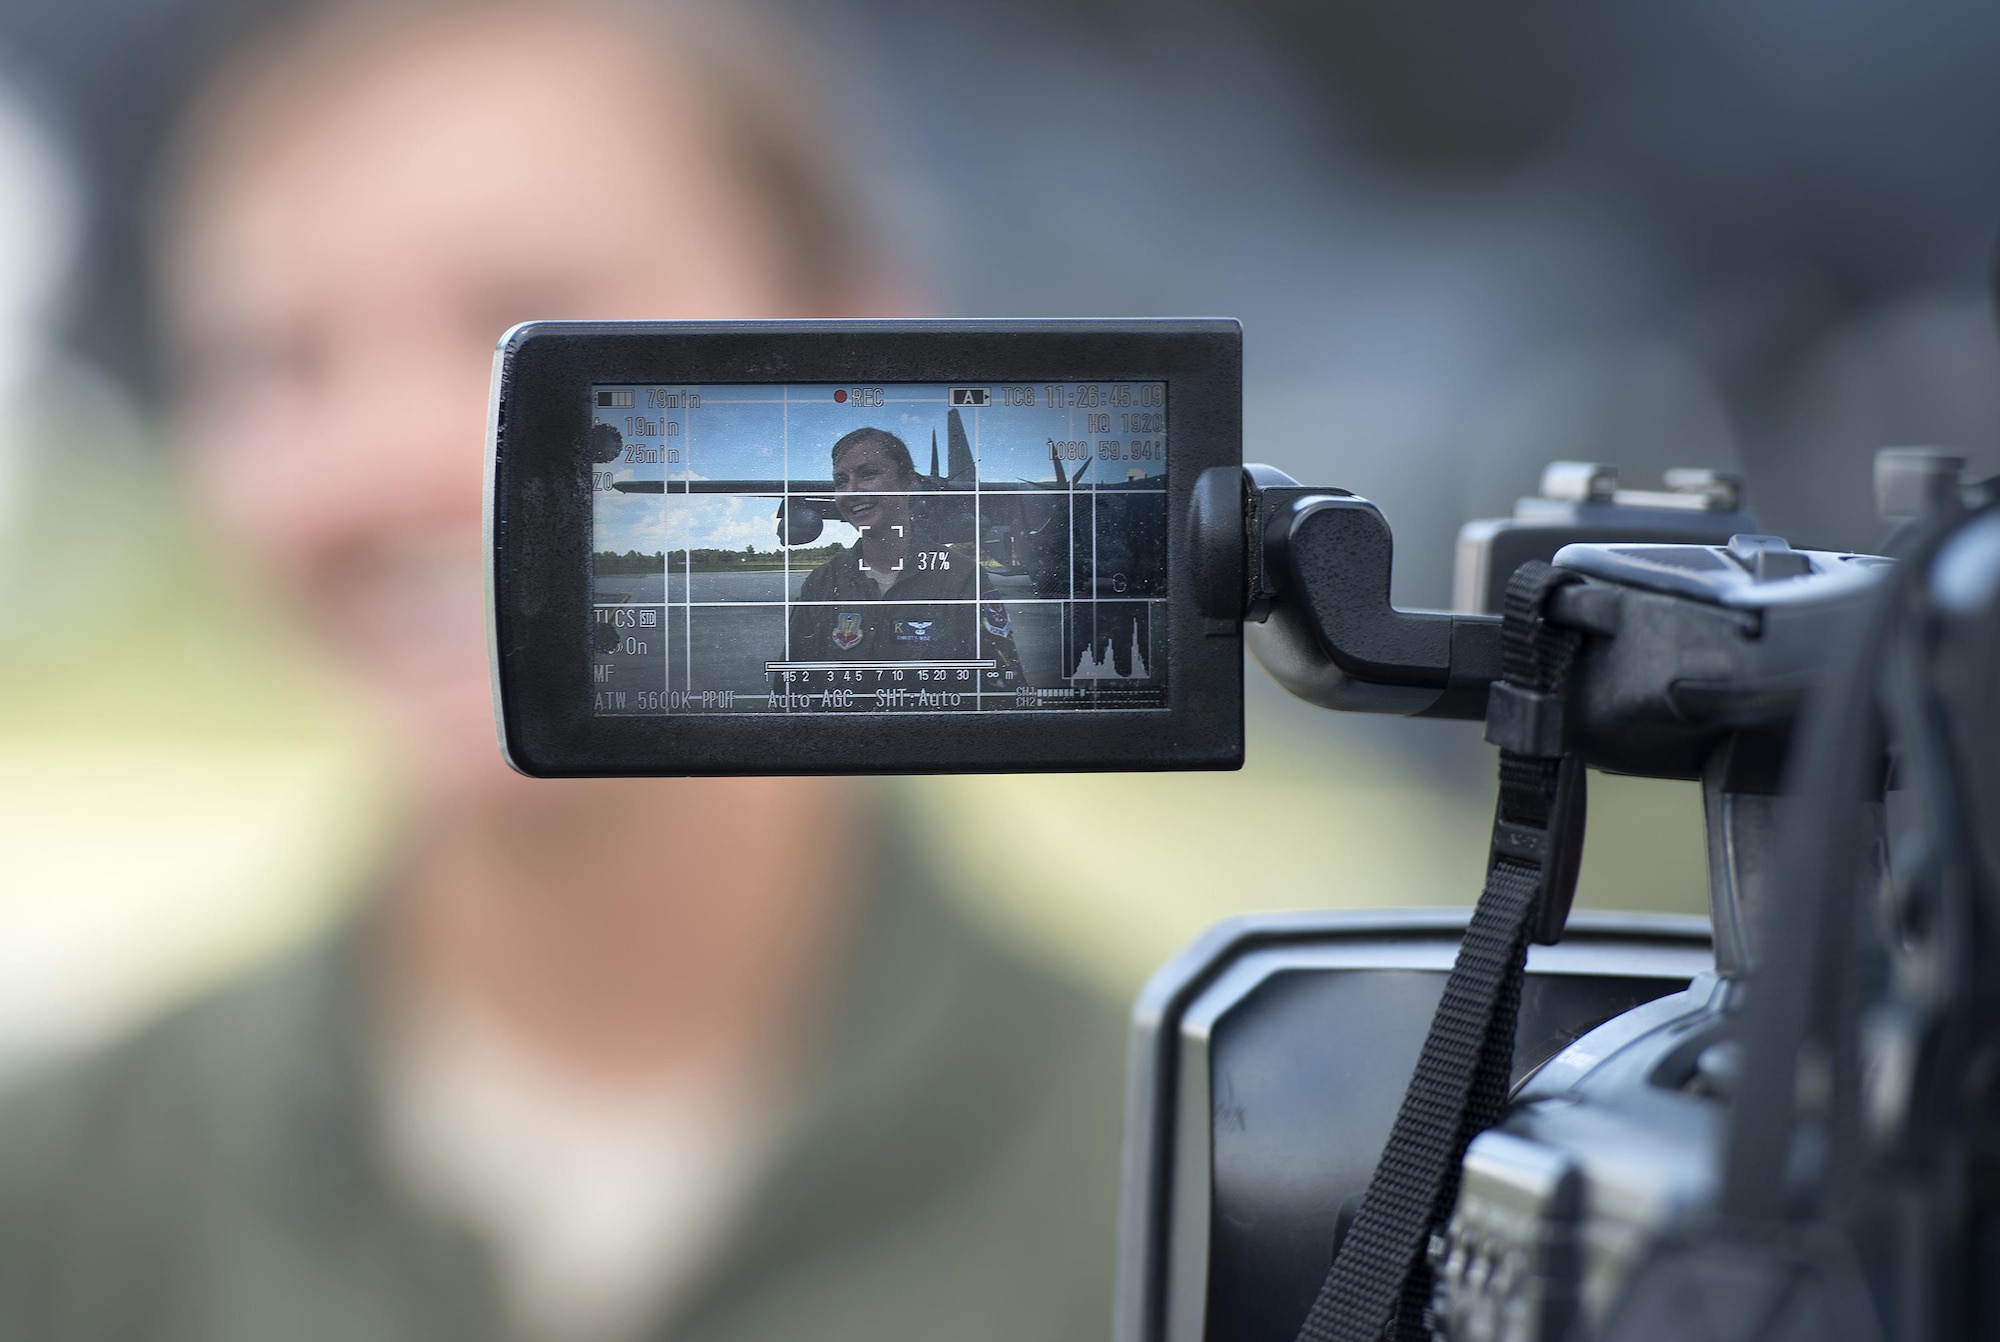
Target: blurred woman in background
x: 609, y: 1059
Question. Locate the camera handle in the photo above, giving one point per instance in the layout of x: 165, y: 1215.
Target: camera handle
x: 1307, y: 571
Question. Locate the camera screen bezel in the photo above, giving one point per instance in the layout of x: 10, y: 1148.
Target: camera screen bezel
x: 538, y: 520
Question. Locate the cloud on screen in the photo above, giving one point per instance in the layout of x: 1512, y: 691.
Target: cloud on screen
x: 718, y: 522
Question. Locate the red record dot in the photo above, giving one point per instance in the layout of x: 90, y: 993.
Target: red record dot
x: 840, y: 397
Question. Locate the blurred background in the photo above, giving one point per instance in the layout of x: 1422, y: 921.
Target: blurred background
x: 1463, y: 240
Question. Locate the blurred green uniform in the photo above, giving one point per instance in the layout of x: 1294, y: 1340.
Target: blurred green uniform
x: 219, y: 1178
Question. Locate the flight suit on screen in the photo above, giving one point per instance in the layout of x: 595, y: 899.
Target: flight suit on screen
x: 861, y: 622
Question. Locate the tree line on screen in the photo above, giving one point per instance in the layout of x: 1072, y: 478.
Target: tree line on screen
x: 706, y: 559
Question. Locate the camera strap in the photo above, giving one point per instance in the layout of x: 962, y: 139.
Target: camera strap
x: 1380, y: 1283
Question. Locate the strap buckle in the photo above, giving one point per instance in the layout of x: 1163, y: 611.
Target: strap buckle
x: 1524, y: 721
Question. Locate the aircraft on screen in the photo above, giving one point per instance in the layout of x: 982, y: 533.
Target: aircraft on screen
x: 1025, y: 535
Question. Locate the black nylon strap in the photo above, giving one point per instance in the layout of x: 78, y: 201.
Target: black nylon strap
x: 1380, y: 1285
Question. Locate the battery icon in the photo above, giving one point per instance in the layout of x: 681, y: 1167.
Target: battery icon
x: 614, y: 400
x: 973, y: 397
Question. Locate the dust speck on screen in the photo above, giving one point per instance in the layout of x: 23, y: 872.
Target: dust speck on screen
x: 879, y: 549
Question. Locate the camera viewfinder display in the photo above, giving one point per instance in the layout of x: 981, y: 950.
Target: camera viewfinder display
x: 894, y: 548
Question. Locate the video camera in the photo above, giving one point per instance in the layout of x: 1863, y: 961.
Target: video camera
x: 851, y: 547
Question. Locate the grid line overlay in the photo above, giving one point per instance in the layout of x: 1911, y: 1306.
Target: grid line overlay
x: 978, y: 615
x: 1067, y: 663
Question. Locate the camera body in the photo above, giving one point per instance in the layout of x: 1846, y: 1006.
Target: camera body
x: 715, y: 548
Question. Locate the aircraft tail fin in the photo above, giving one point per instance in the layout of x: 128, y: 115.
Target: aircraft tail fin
x: 963, y: 471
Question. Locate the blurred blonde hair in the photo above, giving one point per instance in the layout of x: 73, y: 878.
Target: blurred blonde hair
x: 771, y: 121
